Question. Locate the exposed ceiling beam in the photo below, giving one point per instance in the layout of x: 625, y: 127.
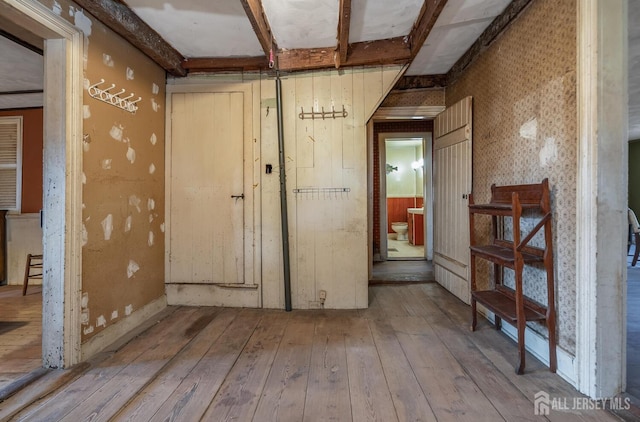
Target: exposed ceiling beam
x: 255, y: 13
x: 389, y: 51
x: 495, y: 28
x: 424, y: 24
x: 420, y: 82
x: 344, y: 22
x: 124, y: 22
x: 217, y: 64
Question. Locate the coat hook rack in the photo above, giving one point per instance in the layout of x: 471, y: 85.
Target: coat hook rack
x: 113, y: 98
x: 322, y: 114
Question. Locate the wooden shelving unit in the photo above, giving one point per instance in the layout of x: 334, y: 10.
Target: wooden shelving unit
x: 506, y: 303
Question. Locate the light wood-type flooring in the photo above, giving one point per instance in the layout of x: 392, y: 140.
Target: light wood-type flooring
x: 408, y: 357
x: 20, y: 332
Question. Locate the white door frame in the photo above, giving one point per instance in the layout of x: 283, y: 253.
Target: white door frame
x: 601, y: 212
x: 62, y: 201
x: 427, y: 151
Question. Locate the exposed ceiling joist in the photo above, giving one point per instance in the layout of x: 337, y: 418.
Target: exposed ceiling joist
x: 217, y: 64
x: 424, y: 24
x: 389, y: 51
x: 344, y: 22
x: 421, y: 82
x: 256, y: 16
x: 123, y: 21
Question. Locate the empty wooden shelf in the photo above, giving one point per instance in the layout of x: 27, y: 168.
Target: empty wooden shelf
x: 511, y: 304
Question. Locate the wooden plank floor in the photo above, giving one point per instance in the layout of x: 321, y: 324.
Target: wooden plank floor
x: 20, y: 332
x: 408, y: 357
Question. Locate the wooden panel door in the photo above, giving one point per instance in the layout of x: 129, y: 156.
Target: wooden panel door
x: 207, y: 184
x: 452, y: 184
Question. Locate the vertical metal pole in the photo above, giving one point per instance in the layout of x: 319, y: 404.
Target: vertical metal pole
x: 283, y: 200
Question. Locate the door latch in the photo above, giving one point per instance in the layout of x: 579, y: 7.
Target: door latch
x: 236, y: 197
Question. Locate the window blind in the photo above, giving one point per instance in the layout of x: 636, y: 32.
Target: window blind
x: 10, y: 162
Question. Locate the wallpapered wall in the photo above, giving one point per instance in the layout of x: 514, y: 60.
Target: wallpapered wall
x: 524, y: 129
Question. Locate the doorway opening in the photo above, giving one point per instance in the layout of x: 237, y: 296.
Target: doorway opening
x: 405, y: 196
x: 62, y: 169
x: 21, y: 115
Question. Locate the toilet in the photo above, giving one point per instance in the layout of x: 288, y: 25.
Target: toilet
x: 400, y: 228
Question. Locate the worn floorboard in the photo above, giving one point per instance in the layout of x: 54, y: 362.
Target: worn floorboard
x: 409, y: 357
x: 20, y: 332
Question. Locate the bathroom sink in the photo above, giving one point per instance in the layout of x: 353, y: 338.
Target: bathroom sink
x: 415, y: 210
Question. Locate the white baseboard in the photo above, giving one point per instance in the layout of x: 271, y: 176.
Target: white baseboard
x: 113, y: 332
x: 538, y: 346
x: 212, y: 295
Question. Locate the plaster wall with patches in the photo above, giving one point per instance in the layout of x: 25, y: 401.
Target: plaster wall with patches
x: 123, y: 178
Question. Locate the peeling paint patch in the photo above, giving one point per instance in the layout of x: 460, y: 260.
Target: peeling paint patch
x: 82, y: 22
x: 106, y: 164
x: 88, y: 330
x: 85, y: 235
x: 132, y: 268
x: 150, y: 240
x: 101, y: 321
x: 129, y: 74
x: 86, y: 111
x: 114, y: 315
x: 84, y: 178
x: 84, y: 317
x: 107, y: 60
x: 154, y: 105
x: 153, y: 139
x: 152, y: 168
x: 57, y: 9
x: 131, y: 155
x: 151, y: 204
x: 84, y: 303
x: 150, y: 218
x: 107, y: 227
x: 128, y: 309
x: 549, y: 152
x: 127, y: 224
x: 155, y: 89
x: 116, y: 132
x: 162, y: 227
x: 134, y: 201
x: 529, y: 130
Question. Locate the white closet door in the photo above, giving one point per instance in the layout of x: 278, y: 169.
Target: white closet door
x: 452, y: 184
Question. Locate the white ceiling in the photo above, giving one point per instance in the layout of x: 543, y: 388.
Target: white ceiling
x: 20, y: 69
x: 458, y: 26
x: 220, y: 28
x: 204, y: 28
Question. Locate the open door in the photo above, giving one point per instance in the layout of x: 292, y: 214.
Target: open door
x: 451, y: 187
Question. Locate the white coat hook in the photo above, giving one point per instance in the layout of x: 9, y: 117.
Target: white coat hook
x: 113, y: 98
